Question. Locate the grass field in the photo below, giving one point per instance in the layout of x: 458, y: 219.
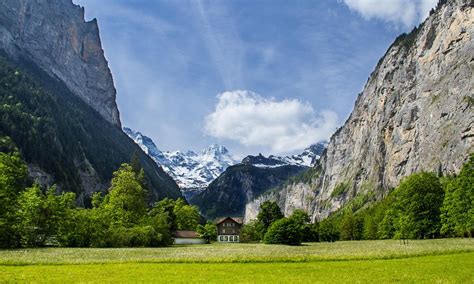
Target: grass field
x: 430, y: 261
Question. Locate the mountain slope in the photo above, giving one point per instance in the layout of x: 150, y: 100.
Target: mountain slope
x: 57, y: 100
x: 64, y: 140
x: 228, y: 194
x: 192, y: 171
x: 255, y: 175
x: 54, y: 36
x: 414, y: 114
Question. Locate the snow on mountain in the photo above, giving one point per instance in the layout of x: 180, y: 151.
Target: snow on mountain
x: 306, y: 159
x: 192, y: 171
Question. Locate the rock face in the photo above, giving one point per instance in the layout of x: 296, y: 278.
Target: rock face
x: 59, y: 106
x: 54, y: 35
x: 414, y: 114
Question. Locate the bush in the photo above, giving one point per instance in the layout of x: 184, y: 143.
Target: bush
x: 284, y: 231
x: 328, y: 231
x: 251, y: 232
x: 208, y: 232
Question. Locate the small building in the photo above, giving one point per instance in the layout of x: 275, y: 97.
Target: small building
x: 228, y: 229
x: 187, y: 238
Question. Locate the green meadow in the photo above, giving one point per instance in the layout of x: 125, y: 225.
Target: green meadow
x: 430, y: 261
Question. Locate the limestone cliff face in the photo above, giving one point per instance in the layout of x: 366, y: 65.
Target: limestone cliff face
x: 414, y: 114
x: 54, y: 35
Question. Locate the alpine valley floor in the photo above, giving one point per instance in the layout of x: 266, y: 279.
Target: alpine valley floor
x: 429, y: 261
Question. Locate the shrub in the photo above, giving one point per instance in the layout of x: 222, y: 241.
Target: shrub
x: 284, y: 231
x: 208, y: 232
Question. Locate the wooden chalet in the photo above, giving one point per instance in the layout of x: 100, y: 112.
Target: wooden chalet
x: 228, y: 229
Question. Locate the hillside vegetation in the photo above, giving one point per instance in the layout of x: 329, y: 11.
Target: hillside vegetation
x: 64, y: 137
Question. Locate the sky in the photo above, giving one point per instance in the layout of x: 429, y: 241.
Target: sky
x: 262, y: 76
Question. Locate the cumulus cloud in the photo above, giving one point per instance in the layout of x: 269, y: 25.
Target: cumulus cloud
x: 404, y: 12
x: 283, y: 126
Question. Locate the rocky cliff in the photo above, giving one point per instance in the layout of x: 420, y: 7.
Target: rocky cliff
x: 414, y: 114
x: 54, y: 35
x: 57, y: 101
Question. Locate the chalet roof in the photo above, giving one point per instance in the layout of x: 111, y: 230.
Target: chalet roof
x: 186, y: 234
x: 238, y: 220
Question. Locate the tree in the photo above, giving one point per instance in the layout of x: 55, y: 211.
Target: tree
x: 58, y: 211
x: 167, y: 206
x: 328, y: 231
x: 187, y: 216
x: 251, y: 232
x: 419, y: 198
x: 370, y: 227
x: 126, y: 199
x: 208, y: 232
x: 161, y: 230
x: 289, y: 231
x: 350, y: 227
x: 386, y: 229
x: 284, y: 231
x: 31, y: 220
x: 457, y: 212
x: 13, y: 178
x: 404, y: 228
x: 309, y: 231
x: 269, y: 213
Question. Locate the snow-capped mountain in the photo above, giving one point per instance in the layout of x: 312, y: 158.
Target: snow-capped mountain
x: 192, y: 171
x: 306, y: 159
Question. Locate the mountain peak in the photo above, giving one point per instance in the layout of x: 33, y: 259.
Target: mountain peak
x: 215, y: 150
x: 192, y: 171
x: 306, y: 159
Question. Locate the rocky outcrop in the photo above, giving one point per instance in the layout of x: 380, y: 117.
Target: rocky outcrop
x: 414, y: 114
x: 54, y: 35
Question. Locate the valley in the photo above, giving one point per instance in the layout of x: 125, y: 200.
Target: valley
x: 89, y: 193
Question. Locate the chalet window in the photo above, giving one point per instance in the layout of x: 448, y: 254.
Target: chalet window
x: 223, y: 231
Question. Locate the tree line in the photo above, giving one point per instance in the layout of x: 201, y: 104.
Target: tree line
x: 31, y: 216
x: 423, y: 206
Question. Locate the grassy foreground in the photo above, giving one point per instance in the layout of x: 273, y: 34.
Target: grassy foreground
x: 446, y: 260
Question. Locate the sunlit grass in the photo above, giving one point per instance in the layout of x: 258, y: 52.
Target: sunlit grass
x: 451, y: 268
x: 238, y: 253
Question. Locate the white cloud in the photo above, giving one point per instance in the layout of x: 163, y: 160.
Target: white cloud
x: 283, y: 126
x: 404, y: 12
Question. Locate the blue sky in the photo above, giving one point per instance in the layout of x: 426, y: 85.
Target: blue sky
x: 267, y: 76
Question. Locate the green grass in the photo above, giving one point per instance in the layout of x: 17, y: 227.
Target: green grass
x: 429, y: 269
x: 444, y: 260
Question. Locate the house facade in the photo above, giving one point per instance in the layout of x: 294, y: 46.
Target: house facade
x: 228, y: 229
